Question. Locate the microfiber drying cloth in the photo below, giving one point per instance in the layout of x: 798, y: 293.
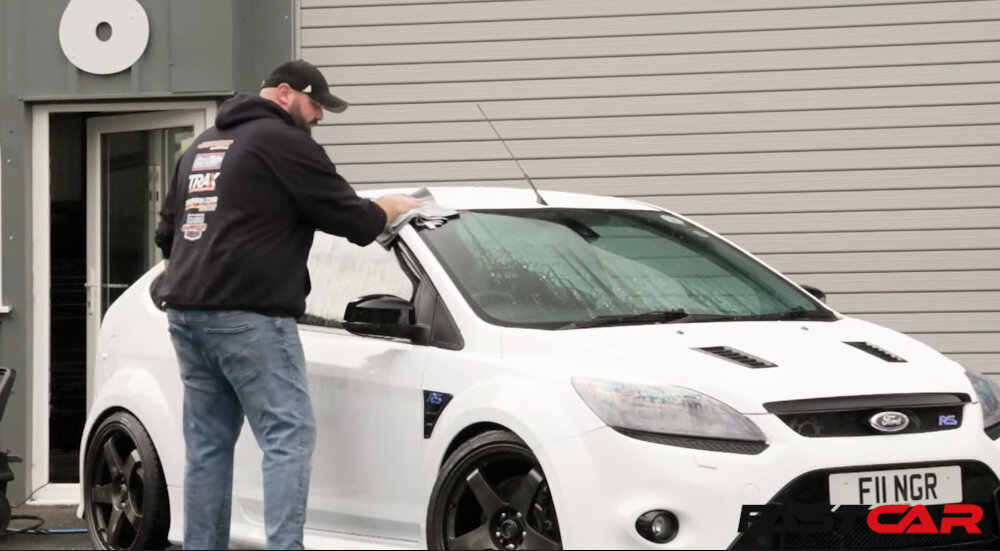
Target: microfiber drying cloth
x: 429, y: 214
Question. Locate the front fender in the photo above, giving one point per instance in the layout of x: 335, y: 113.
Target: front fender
x: 537, y: 412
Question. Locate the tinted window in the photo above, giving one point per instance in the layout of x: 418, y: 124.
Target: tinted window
x: 342, y: 272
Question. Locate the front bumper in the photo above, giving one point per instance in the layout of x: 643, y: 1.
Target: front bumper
x: 603, y: 481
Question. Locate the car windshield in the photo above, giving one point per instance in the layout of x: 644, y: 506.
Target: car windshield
x: 552, y: 268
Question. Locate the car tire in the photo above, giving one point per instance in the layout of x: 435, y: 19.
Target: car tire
x: 125, y: 494
x: 491, y: 493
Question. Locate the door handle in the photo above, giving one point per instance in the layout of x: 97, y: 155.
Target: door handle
x: 90, y: 298
x: 106, y: 285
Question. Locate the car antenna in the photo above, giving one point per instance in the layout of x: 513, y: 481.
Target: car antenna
x: 509, y: 152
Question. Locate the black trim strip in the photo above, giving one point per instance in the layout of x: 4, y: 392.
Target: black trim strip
x: 745, y: 447
x: 993, y: 432
x: 873, y: 401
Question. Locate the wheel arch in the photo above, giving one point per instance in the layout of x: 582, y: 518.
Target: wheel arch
x: 454, y: 459
x: 468, y: 433
x: 538, y: 411
x: 137, y: 393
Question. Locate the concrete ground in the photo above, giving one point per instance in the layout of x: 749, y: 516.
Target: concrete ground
x: 56, y: 517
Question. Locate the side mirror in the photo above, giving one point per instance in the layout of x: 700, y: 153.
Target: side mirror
x: 815, y: 292
x: 384, y: 316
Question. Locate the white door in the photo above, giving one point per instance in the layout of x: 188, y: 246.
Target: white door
x: 367, y: 400
x: 129, y: 161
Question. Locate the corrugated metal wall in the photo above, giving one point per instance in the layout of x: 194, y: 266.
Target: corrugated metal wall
x: 853, y: 144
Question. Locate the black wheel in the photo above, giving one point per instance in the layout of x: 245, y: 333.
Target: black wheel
x: 125, y: 493
x: 492, y: 494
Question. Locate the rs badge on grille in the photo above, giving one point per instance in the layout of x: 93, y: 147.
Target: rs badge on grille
x: 889, y: 421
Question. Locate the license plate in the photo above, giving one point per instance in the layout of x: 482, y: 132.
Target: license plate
x: 926, y: 486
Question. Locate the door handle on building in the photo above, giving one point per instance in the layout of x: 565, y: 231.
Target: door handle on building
x: 107, y: 285
x: 90, y: 299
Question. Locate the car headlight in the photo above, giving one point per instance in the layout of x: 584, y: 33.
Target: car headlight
x: 668, y: 410
x: 989, y: 398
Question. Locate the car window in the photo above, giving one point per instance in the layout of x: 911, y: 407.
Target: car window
x: 342, y: 272
x: 549, y: 267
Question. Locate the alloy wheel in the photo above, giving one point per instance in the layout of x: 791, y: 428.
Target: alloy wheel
x: 117, y: 491
x: 499, y: 499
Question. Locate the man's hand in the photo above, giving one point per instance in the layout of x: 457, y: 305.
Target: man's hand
x: 394, y: 205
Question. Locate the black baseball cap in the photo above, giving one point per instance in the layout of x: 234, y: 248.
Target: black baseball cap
x: 305, y: 77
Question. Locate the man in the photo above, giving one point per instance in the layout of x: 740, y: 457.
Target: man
x: 236, y: 229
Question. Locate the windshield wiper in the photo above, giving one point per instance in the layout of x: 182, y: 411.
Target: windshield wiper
x: 682, y: 316
x: 655, y: 316
x: 794, y: 313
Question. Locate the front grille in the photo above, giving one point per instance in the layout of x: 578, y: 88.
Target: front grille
x: 979, y: 487
x: 850, y: 416
x: 856, y: 423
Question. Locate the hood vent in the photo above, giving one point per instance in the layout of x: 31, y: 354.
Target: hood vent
x: 877, y: 352
x: 736, y: 356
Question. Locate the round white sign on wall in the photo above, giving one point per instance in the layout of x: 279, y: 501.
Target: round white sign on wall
x: 104, y: 36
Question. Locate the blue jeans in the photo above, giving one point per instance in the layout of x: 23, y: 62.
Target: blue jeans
x: 234, y: 364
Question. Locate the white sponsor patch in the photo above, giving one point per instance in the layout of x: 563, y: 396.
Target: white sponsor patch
x: 195, y: 219
x: 215, y: 145
x: 207, y: 161
x: 192, y: 232
x: 202, y: 204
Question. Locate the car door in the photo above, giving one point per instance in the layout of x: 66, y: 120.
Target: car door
x: 367, y: 398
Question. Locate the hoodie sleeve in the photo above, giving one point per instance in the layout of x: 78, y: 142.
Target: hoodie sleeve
x: 164, y: 237
x: 322, y: 195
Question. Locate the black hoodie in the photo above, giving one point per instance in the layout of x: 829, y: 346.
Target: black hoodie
x: 242, y: 208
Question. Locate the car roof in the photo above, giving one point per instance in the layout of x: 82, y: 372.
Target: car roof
x: 465, y: 198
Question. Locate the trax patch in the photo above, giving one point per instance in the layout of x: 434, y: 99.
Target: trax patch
x: 200, y: 183
x: 215, y: 145
x: 202, y: 204
x: 207, y: 161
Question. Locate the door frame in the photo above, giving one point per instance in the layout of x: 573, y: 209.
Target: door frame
x: 96, y: 127
x: 41, y: 256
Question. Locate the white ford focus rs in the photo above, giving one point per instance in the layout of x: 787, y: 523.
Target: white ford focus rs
x: 587, y: 373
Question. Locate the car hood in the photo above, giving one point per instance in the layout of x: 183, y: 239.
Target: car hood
x: 811, y: 359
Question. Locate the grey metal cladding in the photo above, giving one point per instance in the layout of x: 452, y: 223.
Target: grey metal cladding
x: 195, y: 48
x: 852, y: 144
